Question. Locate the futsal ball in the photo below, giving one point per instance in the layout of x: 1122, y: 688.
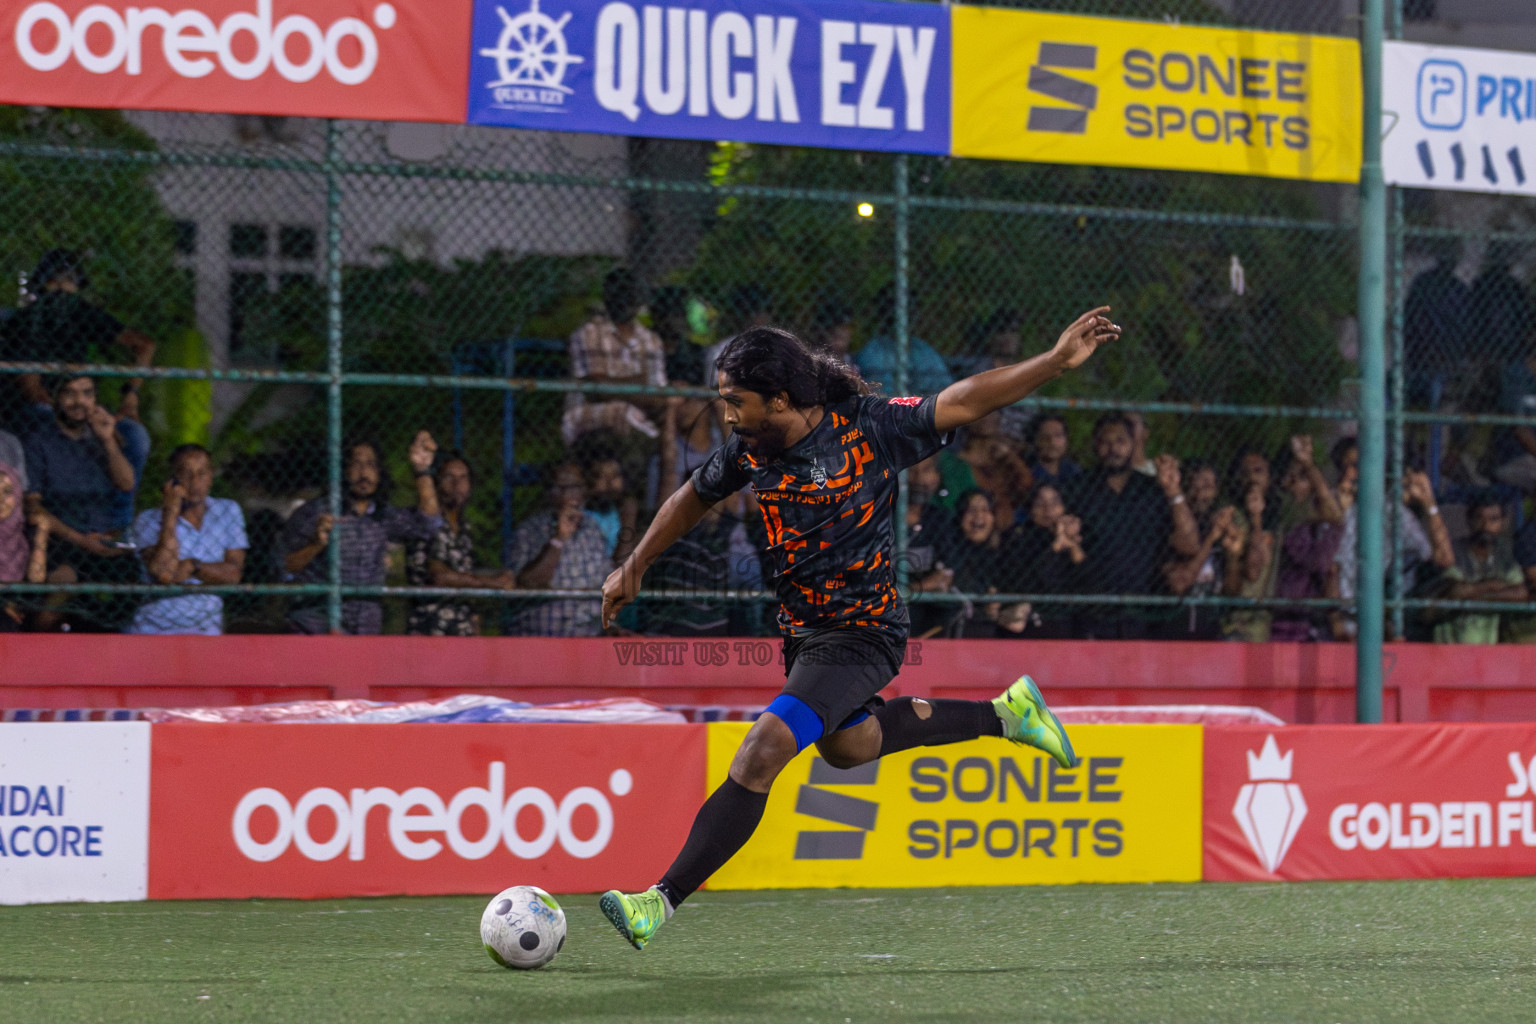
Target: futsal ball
x: 522, y: 927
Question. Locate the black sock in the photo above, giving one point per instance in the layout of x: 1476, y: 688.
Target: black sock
x: 722, y: 826
x: 901, y: 728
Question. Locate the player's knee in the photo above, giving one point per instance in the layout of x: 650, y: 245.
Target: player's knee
x: 763, y: 754
x: 839, y: 758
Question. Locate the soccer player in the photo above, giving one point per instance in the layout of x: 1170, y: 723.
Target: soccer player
x: 822, y: 456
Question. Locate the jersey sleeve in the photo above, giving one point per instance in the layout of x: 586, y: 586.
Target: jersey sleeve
x: 722, y: 474
x: 903, y: 428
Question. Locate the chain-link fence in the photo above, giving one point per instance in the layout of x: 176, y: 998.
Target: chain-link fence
x: 548, y: 308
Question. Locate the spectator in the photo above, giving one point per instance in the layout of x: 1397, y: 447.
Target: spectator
x: 1421, y: 554
x: 616, y: 349
x: 1250, y: 485
x: 972, y: 555
x: 1043, y: 555
x: 670, y: 315
x: 81, y: 465
x: 986, y: 459
x: 1311, y: 523
x: 1485, y: 570
x: 1436, y: 324
x: 1208, y: 571
x: 609, y: 502
x: 18, y: 560
x: 561, y: 548
x: 14, y: 457
x: 1501, y: 317
x: 1521, y: 628
x: 1139, y: 461
x: 192, y: 538
x: 60, y: 326
x: 930, y: 529
x: 1129, y: 522
x: 926, y: 372
x: 447, y: 558
x: 1514, y: 448
x: 1051, y: 463
x: 691, y: 430
x: 368, y: 524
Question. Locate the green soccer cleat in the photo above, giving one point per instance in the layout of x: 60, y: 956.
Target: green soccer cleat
x: 636, y: 916
x: 1028, y: 721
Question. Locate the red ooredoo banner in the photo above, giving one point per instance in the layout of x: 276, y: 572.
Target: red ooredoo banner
x: 399, y: 60
x: 313, y: 811
x: 1390, y: 801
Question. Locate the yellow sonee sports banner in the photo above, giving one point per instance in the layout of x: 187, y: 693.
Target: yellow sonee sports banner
x: 1077, y: 90
x: 979, y: 813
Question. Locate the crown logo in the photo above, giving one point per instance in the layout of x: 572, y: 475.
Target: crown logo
x: 1269, y: 766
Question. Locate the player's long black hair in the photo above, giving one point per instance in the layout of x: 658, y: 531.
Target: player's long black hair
x: 770, y: 360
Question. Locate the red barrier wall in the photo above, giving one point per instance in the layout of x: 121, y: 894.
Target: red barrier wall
x: 1298, y: 682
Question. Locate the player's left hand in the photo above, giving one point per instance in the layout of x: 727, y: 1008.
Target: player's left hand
x: 1083, y: 338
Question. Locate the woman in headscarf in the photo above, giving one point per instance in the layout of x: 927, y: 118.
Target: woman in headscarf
x: 19, y: 561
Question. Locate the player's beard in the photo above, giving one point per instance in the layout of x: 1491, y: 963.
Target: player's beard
x: 765, y: 443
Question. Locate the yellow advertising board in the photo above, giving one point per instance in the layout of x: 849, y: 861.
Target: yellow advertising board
x: 978, y: 813
x: 1069, y: 89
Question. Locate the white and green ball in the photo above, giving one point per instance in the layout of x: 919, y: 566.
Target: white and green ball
x: 522, y: 927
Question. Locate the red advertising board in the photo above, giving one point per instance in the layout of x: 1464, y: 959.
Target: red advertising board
x: 398, y: 60
x: 1388, y: 801
x: 311, y: 811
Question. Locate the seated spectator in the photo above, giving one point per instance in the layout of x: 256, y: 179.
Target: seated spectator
x: 14, y: 457
x: 1423, y: 556
x: 691, y: 430
x: 61, y: 326
x: 561, y: 548
x: 972, y: 555
x: 1051, y: 464
x: 930, y: 526
x: 1129, y: 523
x: 1042, y: 555
x: 447, y: 558
x: 19, y: 560
x: 1208, y: 571
x: 1311, y: 523
x: 1520, y: 628
x: 616, y: 349
x: 876, y: 360
x: 1485, y: 570
x: 192, y: 538
x: 79, y: 465
x: 987, y: 460
x: 609, y: 502
x: 368, y: 524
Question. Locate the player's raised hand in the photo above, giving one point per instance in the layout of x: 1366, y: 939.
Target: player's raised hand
x: 1083, y: 337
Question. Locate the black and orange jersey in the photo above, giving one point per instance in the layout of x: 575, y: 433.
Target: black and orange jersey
x: 827, y: 505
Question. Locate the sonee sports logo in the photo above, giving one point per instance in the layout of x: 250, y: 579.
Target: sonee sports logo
x: 855, y: 813
x: 1083, y: 96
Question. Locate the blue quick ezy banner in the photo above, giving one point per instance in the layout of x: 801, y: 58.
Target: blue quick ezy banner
x: 851, y: 75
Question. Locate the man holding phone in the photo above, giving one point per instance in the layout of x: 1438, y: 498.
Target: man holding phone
x: 191, y: 539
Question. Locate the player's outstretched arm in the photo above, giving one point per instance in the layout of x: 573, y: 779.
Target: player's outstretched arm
x: 968, y: 400
x: 677, y: 515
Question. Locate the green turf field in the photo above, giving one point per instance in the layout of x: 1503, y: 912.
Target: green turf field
x: 1385, y: 951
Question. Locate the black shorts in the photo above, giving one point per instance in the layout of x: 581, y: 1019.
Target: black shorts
x: 839, y: 673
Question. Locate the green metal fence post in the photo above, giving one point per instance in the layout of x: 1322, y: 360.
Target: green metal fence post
x: 333, y: 361
x: 1399, y: 397
x: 1371, y: 504
x: 903, y: 339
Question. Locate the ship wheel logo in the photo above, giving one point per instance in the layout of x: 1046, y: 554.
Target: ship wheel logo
x: 531, y: 49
